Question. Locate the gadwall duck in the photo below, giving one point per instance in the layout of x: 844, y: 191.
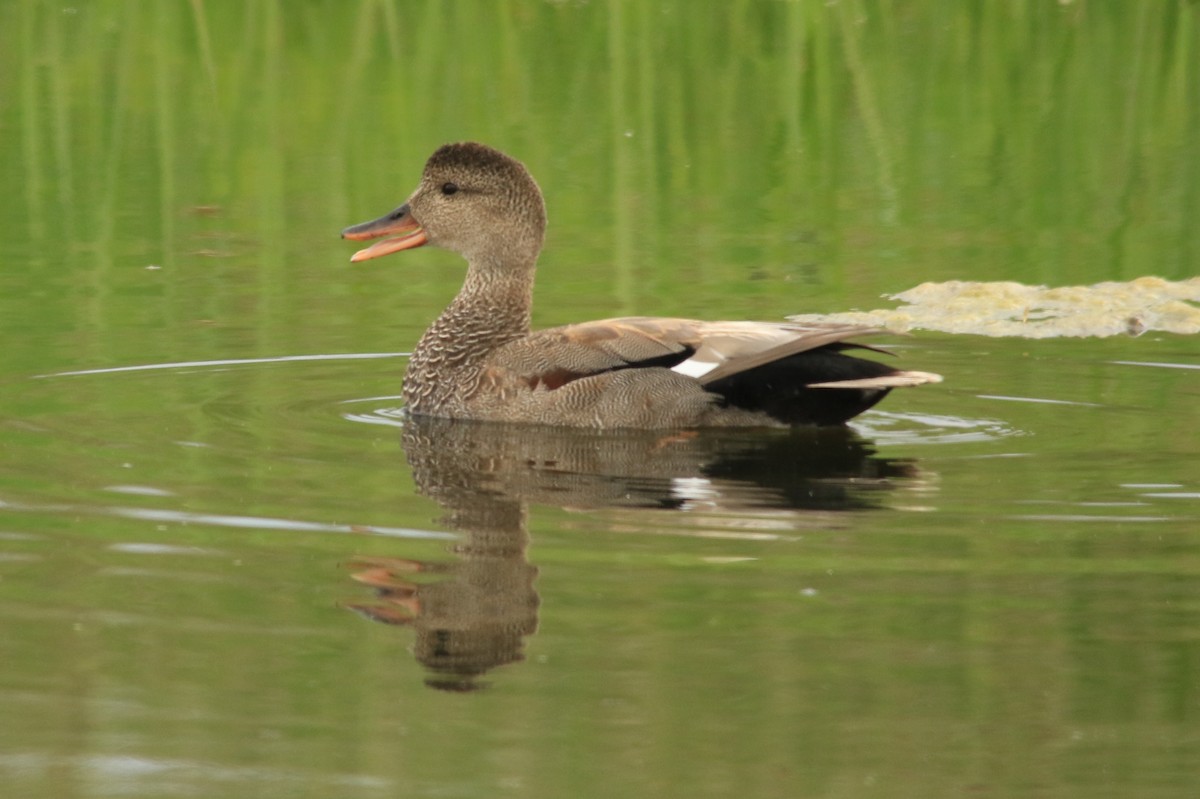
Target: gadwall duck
x: 480, y: 360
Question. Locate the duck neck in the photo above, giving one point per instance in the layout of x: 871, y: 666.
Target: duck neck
x: 494, y: 304
x: 492, y: 309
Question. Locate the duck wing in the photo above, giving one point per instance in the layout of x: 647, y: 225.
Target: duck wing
x: 560, y: 355
x: 708, y: 351
x: 806, y: 376
x: 792, y: 373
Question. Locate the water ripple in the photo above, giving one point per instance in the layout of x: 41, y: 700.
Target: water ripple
x: 891, y: 427
x: 349, y: 356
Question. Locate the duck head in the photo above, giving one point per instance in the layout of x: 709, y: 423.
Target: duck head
x: 473, y: 200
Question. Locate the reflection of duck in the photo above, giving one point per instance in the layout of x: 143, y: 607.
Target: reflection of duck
x: 479, y: 360
x: 477, y: 615
x: 462, y: 463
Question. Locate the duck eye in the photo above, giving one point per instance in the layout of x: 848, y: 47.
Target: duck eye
x: 449, y: 188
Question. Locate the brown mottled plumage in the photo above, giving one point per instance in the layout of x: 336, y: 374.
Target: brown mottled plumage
x: 479, y: 359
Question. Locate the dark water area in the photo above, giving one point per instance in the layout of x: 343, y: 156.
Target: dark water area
x: 230, y: 565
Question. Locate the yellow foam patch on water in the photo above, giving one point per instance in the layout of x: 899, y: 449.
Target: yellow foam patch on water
x: 1014, y: 309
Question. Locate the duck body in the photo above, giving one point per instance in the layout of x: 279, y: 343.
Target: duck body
x: 481, y: 360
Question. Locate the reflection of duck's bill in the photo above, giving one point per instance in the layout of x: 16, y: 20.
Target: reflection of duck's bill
x: 403, y: 230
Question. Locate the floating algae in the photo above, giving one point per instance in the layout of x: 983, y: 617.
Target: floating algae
x: 1015, y: 309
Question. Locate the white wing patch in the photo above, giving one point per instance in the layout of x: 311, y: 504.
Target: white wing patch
x: 694, y: 367
x: 723, y: 341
